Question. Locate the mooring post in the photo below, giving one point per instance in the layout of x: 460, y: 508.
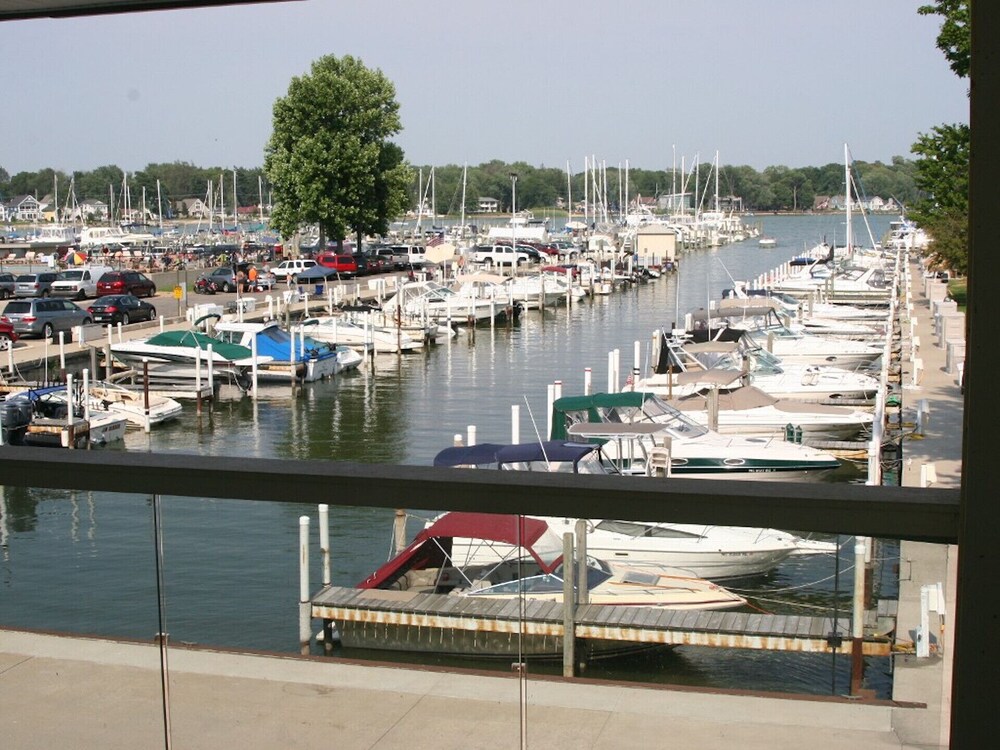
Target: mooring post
x: 253, y: 367
x: 583, y: 592
x: 569, y: 608
x: 324, y: 541
x: 399, y: 531
x: 62, y: 352
x: 515, y: 424
x: 197, y: 379
x: 304, y: 604
x: 471, y: 432
x: 587, y: 380
x: 550, y: 399
x: 70, y: 436
x: 858, y: 617
x: 145, y: 393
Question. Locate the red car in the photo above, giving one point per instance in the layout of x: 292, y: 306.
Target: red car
x: 126, y: 282
x: 7, y: 335
x: 342, y: 263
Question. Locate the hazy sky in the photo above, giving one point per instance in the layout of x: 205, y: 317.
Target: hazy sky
x: 761, y: 81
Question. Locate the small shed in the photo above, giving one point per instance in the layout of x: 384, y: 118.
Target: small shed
x: 655, y: 245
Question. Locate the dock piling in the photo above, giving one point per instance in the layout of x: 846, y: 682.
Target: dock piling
x: 305, y: 609
x: 569, y: 608
x: 324, y: 541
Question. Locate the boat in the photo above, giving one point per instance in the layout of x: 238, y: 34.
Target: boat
x: 643, y: 422
x: 767, y: 242
x: 685, y: 366
x: 525, y: 564
x: 747, y: 410
x: 300, y: 357
x: 189, y: 355
x: 359, y: 333
x: 705, y: 551
x: 50, y: 414
x: 428, y: 301
x: 135, y: 406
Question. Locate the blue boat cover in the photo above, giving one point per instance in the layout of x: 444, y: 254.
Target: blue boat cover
x: 494, y: 453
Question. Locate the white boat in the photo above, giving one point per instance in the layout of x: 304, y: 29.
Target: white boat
x: 767, y: 242
x: 360, y: 333
x: 749, y: 411
x: 187, y: 356
x: 50, y: 404
x: 530, y: 291
x: 52, y: 235
x: 712, y: 552
x: 428, y: 301
x: 514, y: 558
x: 132, y: 404
x: 636, y: 426
x: 299, y: 357
x: 113, y: 237
x: 684, y: 367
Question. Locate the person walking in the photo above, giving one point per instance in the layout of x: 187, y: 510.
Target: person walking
x: 252, y: 277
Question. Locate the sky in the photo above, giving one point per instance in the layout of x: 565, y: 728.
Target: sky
x: 547, y: 82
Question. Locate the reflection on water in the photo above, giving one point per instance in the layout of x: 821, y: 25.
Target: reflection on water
x: 83, y: 562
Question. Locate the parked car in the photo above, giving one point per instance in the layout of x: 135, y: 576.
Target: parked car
x: 126, y: 282
x: 79, y: 283
x: 121, y: 308
x: 7, y: 283
x: 43, y: 317
x: 34, y: 284
x: 292, y: 268
x: 222, y: 277
x: 377, y: 263
x: 7, y: 335
x: 342, y: 263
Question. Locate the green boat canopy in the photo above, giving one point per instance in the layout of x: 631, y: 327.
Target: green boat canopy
x: 195, y: 340
x: 591, y: 404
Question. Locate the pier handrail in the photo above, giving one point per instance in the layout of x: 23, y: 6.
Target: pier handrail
x: 930, y: 515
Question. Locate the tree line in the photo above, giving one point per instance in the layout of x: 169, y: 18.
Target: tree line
x: 776, y: 188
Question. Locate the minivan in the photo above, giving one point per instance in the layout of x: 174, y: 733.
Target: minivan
x: 79, y: 283
x: 43, y: 317
x: 34, y: 284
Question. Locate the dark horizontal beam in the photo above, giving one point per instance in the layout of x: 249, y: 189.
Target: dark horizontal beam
x: 892, y: 512
x: 20, y: 10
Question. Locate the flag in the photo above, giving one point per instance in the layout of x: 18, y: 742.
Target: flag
x: 435, y: 240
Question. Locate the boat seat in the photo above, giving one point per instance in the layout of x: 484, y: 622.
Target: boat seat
x: 658, y: 463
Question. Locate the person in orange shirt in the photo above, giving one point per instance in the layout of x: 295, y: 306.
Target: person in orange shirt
x: 252, y: 278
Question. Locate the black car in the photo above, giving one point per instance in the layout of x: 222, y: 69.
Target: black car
x: 121, y: 308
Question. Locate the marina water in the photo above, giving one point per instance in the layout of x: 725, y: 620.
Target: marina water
x: 84, y: 562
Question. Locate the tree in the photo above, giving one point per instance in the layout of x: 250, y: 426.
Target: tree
x: 329, y: 159
x: 942, y: 171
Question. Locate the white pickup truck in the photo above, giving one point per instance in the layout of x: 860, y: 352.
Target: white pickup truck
x: 499, y: 255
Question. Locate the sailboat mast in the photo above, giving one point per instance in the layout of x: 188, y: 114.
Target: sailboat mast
x: 236, y: 213
x: 586, y: 191
x: 465, y: 175
x: 716, y: 181
x: 159, y: 205
x: 569, y: 194
x: 260, y: 199
x: 847, y: 194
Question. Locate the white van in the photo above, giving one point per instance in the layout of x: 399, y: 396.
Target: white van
x: 78, y: 283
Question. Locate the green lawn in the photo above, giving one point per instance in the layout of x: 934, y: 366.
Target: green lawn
x: 957, y: 290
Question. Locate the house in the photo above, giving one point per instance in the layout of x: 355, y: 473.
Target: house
x: 876, y: 204
x: 194, y: 207
x: 488, y: 205
x: 89, y: 211
x: 23, y: 208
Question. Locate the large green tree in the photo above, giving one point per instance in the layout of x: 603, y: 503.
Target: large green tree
x: 942, y: 169
x: 329, y: 160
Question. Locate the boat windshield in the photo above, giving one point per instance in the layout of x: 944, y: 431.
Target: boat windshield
x: 651, y: 530
x: 656, y: 410
x: 547, y: 583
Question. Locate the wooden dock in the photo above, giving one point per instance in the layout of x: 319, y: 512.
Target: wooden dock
x: 439, y: 617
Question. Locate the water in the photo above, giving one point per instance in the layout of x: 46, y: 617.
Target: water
x: 83, y: 562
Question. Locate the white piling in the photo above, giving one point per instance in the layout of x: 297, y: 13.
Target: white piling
x: 62, y: 351
x: 70, y: 437
x: 305, y: 619
x: 270, y: 306
x: 617, y: 370
x: 324, y: 540
x: 550, y: 399
x: 569, y: 607
x: 515, y: 424
x: 86, y: 394
x: 10, y: 359
x: 611, y: 372
x: 162, y: 324
x: 587, y: 380
x: 636, y: 361
x: 119, y: 333
x: 253, y: 367
x: 557, y: 389
x: 211, y: 372
x: 470, y: 432
x: 110, y: 340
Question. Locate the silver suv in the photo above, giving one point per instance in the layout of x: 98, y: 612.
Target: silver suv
x: 34, y: 284
x: 43, y: 317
